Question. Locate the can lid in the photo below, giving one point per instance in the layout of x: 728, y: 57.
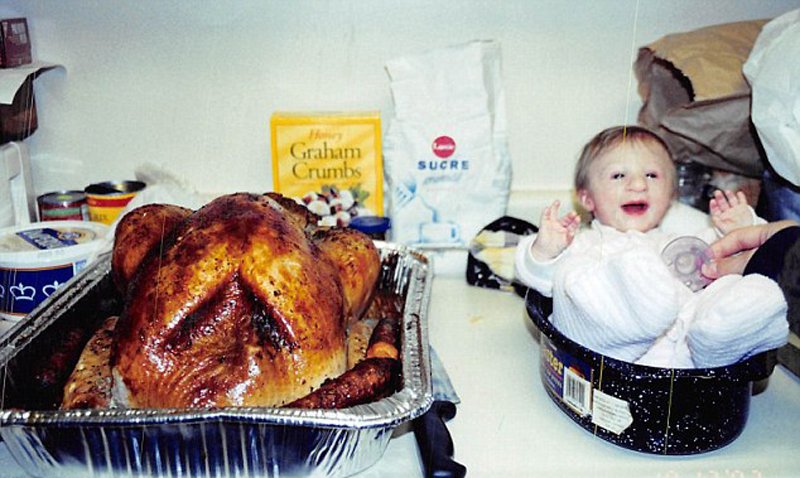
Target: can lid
x: 62, y: 197
x: 371, y: 224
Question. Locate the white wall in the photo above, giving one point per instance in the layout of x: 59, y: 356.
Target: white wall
x: 191, y: 85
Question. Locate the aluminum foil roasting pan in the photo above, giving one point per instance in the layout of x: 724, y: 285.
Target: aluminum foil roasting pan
x: 38, y: 354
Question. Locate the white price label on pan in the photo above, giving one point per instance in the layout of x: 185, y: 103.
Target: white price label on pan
x: 610, y: 412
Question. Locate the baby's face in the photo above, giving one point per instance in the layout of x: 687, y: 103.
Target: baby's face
x: 631, y: 186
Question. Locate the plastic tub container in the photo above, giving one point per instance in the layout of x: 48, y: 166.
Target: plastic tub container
x: 647, y: 409
x: 37, y: 259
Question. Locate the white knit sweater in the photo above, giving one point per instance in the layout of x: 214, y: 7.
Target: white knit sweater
x: 613, y: 293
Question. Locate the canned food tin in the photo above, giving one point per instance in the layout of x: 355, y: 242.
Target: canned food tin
x: 106, y: 200
x: 63, y: 206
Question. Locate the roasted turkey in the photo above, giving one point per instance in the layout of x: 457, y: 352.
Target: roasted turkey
x: 244, y: 302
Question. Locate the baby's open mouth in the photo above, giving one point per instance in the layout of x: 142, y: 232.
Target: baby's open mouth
x: 635, y: 208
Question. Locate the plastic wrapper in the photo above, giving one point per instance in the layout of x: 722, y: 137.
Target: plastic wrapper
x: 38, y: 354
x: 490, y: 262
x: 776, y: 97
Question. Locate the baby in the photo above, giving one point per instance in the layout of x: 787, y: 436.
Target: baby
x: 612, y: 291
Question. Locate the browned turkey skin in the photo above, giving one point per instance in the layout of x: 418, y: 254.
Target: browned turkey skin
x: 142, y: 233
x: 243, y: 302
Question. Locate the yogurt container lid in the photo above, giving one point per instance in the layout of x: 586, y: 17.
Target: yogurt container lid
x: 50, y: 240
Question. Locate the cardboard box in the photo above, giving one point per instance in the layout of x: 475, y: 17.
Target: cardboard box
x: 332, y: 162
x: 15, y: 45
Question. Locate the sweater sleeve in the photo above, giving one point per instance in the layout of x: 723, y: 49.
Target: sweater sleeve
x: 779, y: 259
x: 711, y: 234
x: 534, y: 273
x: 771, y: 258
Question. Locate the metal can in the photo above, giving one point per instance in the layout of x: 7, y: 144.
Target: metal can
x: 107, y: 200
x: 63, y: 206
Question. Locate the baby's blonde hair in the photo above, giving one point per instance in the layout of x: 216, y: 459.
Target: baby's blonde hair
x: 610, y: 138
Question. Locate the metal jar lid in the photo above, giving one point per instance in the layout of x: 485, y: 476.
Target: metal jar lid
x: 62, y: 198
x: 114, y: 187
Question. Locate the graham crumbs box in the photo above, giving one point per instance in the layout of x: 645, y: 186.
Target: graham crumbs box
x: 332, y: 162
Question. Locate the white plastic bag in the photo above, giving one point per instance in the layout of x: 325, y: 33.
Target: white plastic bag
x: 445, y: 151
x: 773, y: 70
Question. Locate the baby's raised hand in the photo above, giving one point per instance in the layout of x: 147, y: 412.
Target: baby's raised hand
x: 555, y: 233
x: 730, y: 211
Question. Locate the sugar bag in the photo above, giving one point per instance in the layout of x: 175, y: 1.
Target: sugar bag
x: 446, y: 157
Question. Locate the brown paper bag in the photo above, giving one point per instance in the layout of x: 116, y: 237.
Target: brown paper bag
x: 19, y: 120
x: 697, y: 98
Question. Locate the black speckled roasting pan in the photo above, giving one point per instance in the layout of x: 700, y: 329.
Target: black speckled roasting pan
x: 647, y: 409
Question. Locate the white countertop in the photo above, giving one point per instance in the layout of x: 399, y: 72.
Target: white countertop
x: 506, y: 424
